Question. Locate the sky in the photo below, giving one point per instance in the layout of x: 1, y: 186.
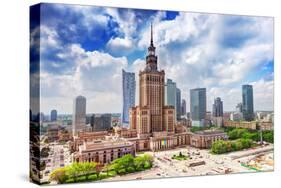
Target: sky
x: 83, y: 50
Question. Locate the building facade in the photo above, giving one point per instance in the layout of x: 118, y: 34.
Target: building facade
x: 129, y: 92
x: 170, y: 93
x: 218, y: 107
x: 79, y: 115
x: 248, y: 102
x: 239, y: 108
x: 154, y: 121
x: 205, y: 139
x: 101, y: 122
x: 54, y: 115
x: 103, y: 151
x: 178, y: 104
x: 152, y: 115
x: 183, y: 107
x: 241, y: 124
x: 198, y: 106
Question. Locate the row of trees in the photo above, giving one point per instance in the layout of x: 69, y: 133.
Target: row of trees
x: 222, y: 146
x: 90, y: 171
x: 237, y: 133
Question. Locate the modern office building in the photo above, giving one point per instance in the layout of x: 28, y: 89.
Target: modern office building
x: 178, y: 104
x: 129, y: 92
x: 170, y: 93
x: 218, y: 107
x: 198, y: 106
x: 101, y: 122
x: 54, y: 115
x: 183, y: 107
x: 248, y: 102
x: 239, y: 108
x: 79, y: 115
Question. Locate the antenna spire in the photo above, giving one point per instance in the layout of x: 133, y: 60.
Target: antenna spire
x: 151, y: 30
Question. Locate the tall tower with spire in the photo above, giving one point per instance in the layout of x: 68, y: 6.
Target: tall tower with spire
x: 151, y: 58
x: 152, y: 115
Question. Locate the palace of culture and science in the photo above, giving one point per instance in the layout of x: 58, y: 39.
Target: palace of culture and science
x: 153, y: 121
x: 153, y: 125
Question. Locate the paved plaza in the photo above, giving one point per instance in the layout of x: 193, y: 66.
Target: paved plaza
x: 207, y: 163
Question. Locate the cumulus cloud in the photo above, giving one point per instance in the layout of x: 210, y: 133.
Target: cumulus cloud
x: 97, y: 76
x: 120, y: 45
x: 219, y: 52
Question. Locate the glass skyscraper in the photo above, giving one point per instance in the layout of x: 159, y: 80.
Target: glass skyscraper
x: 247, y: 102
x: 170, y: 93
x: 79, y: 115
x: 218, y: 107
x: 129, y: 92
x: 198, y: 106
x: 178, y: 104
x: 54, y: 115
x: 183, y: 107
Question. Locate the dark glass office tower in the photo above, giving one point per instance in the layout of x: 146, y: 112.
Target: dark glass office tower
x: 198, y: 106
x: 248, y: 102
x: 218, y: 107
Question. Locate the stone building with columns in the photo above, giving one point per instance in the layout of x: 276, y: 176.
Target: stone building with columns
x: 103, y: 151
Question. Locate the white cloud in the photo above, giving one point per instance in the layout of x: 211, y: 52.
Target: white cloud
x: 120, y: 45
x: 263, y: 94
x: 97, y: 76
x: 191, y: 52
x: 48, y: 38
x: 190, y: 49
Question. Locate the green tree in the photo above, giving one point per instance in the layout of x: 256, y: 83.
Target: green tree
x: 74, y: 170
x: 236, y: 133
x: 268, y: 136
x: 87, y: 168
x: 59, y: 175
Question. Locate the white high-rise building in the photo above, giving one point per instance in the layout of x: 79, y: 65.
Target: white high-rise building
x: 79, y: 115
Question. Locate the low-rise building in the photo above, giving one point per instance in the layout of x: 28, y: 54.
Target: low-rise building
x: 125, y: 132
x: 265, y: 125
x: 205, y: 139
x: 64, y: 136
x: 104, y: 151
x: 218, y: 121
x: 236, y: 116
x: 53, y: 132
x: 241, y: 124
x: 88, y: 137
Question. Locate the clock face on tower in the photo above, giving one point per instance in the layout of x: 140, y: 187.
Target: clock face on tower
x: 151, y: 53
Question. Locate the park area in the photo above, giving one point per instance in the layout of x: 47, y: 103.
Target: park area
x: 91, y: 171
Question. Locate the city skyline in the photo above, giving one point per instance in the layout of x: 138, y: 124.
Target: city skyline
x: 85, y: 62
